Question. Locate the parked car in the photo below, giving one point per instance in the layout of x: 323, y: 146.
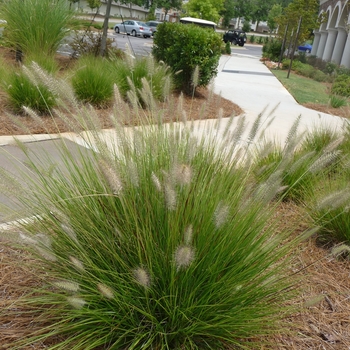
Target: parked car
x: 134, y: 28
x: 153, y: 26
x: 235, y: 37
x: 305, y: 47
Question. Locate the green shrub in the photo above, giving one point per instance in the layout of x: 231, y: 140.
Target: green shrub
x: 341, y: 85
x: 252, y: 39
x: 246, y: 26
x: 183, y: 48
x: 320, y: 76
x: 228, y: 48
x: 36, y: 26
x: 330, y: 68
x: 260, y: 40
x: 92, y: 81
x: 272, y: 49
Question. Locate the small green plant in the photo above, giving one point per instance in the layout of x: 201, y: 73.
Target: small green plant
x: 252, y: 39
x: 260, y: 40
x: 337, y: 101
x: 228, y: 48
x: 183, y: 47
x: 272, y: 49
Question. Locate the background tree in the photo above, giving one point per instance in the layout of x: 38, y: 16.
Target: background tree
x: 308, y: 10
x: 168, y: 4
x: 260, y: 10
x: 275, y: 12
x: 205, y: 9
x: 228, y: 12
x: 242, y: 8
x: 93, y: 4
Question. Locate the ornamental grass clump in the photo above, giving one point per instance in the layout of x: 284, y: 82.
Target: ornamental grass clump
x: 151, y: 237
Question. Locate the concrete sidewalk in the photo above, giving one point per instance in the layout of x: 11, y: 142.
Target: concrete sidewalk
x: 246, y: 81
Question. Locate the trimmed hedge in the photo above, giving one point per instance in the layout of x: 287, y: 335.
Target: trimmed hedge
x: 183, y: 47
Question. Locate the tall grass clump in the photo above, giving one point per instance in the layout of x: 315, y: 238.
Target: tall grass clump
x: 24, y: 92
x: 92, y: 81
x: 36, y: 26
x: 154, y: 238
x: 302, y: 161
x: 134, y: 73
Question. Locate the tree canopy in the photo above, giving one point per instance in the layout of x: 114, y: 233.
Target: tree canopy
x: 307, y: 10
x: 205, y: 9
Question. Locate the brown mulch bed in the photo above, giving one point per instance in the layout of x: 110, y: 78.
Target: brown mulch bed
x: 203, y: 105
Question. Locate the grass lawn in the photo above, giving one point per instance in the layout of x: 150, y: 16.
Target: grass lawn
x: 304, y: 90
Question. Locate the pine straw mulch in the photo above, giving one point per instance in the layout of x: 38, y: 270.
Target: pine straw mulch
x: 324, y: 325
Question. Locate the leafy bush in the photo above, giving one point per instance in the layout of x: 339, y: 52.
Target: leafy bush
x: 341, y: 85
x: 252, y: 39
x: 90, y: 44
x: 246, y: 26
x: 92, y: 81
x: 228, y: 48
x: 36, y: 26
x: 183, y: 48
x: 272, y: 49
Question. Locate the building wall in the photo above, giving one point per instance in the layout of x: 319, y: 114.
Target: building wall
x: 332, y: 39
x: 117, y: 9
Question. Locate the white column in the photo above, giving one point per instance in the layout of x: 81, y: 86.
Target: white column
x: 331, y: 39
x: 339, y: 45
x: 322, y: 43
x: 345, y: 60
x: 316, y: 42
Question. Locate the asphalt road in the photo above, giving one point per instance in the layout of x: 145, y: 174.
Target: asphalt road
x: 143, y: 46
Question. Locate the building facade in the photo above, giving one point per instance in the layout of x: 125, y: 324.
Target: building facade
x: 332, y: 39
x: 118, y: 9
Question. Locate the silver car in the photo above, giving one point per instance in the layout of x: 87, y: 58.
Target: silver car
x: 134, y: 28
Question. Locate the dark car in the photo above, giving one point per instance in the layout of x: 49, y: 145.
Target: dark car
x: 153, y: 26
x: 235, y: 37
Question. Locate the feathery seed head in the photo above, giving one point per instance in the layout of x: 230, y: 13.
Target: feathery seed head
x: 77, y: 263
x: 156, y: 182
x: 184, y: 255
x: 69, y: 231
x: 188, y: 235
x: 170, y: 196
x: 142, y: 277
x: 69, y: 286
x: 111, y: 177
x: 195, y: 77
x: 105, y: 291
x: 183, y: 174
x: 77, y: 303
x: 221, y: 214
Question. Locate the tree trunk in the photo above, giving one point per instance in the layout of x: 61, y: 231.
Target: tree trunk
x: 105, y: 29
